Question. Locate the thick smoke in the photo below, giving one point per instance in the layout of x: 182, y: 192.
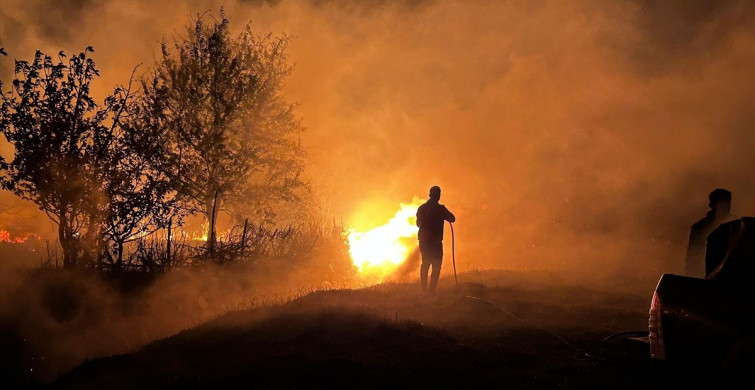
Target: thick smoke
x: 579, y: 136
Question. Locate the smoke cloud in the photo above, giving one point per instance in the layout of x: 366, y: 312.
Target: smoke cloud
x: 579, y: 136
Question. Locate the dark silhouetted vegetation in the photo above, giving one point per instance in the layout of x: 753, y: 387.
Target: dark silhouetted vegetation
x: 119, y: 177
x: 389, y: 336
x: 74, y: 160
x: 214, y: 103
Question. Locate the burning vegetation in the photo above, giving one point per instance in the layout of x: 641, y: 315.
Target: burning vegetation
x: 208, y: 122
x: 121, y: 178
x: 378, y: 252
x: 5, y: 236
x: 572, y: 137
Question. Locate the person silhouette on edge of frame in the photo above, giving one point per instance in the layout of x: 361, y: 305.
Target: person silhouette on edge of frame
x: 431, y: 217
x: 719, y: 202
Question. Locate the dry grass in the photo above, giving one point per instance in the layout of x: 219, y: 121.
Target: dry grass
x: 517, y: 333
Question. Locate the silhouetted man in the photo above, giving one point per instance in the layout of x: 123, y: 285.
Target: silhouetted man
x: 431, y: 217
x: 719, y: 213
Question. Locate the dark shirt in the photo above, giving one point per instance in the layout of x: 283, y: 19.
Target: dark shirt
x: 695, y: 262
x: 431, y: 217
x: 734, y: 243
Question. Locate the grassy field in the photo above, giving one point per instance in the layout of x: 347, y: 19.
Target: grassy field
x: 495, y: 329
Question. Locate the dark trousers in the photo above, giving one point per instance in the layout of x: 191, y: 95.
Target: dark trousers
x: 432, y: 254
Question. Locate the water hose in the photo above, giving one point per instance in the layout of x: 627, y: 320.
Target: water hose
x: 453, y: 251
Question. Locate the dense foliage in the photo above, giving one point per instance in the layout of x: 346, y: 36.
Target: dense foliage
x: 208, y: 123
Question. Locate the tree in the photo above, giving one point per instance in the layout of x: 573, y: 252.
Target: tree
x: 140, y: 199
x: 76, y: 161
x: 215, y: 104
x: 48, y: 116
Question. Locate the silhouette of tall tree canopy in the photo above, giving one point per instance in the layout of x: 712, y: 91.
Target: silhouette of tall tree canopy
x: 75, y: 160
x: 209, y: 123
x: 214, y: 103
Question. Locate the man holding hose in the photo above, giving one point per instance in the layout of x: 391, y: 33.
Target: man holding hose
x: 431, y: 216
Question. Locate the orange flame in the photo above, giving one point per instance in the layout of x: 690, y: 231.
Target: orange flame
x: 203, y: 234
x: 5, y: 236
x: 379, y: 251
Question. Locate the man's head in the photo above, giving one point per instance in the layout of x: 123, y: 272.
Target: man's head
x: 435, y: 193
x: 720, y: 200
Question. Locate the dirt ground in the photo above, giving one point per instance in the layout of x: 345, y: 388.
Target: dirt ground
x: 495, y: 329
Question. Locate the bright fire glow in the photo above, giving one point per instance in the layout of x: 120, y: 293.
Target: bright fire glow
x: 379, y: 251
x: 203, y: 234
x: 5, y: 236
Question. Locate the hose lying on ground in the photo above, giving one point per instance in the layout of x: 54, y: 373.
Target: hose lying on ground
x: 579, y: 353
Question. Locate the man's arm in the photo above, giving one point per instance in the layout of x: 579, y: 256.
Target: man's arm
x: 449, y: 216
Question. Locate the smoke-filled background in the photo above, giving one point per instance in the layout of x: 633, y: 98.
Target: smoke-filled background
x: 576, y: 136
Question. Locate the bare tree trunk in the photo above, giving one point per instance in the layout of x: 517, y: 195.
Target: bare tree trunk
x: 209, y: 205
x: 243, y: 236
x: 212, y: 212
x: 63, y: 241
x: 120, y: 254
x: 215, y: 206
x: 170, y: 227
x: 65, y: 237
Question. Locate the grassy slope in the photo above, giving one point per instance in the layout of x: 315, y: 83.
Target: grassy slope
x: 498, y: 334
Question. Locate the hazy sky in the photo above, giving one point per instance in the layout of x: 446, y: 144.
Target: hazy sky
x: 571, y: 134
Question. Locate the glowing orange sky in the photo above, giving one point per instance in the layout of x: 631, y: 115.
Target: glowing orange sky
x: 559, y: 131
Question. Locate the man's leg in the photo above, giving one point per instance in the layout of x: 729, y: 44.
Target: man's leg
x: 425, y: 266
x: 423, y: 273
x: 436, y: 260
x: 436, y: 274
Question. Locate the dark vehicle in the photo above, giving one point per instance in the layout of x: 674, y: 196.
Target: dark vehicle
x: 702, y: 331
